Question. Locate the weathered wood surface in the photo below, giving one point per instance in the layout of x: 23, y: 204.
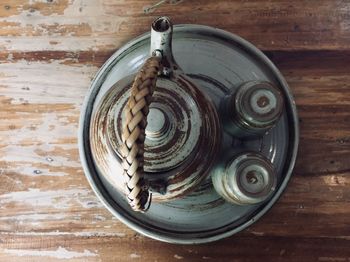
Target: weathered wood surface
x: 50, y: 50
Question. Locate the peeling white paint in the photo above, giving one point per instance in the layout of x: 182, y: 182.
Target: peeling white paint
x: 256, y: 233
x: 31, y: 159
x: 59, y: 253
x: 29, y: 163
x: 336, y: 180
x: 178, y: 257
x: 59, y: 199
x: 88, y: 12
x: 134, y: 255
x: 72, y: 44
x: 62, y: 233
x: 10, y: 57
x: 99, y: 218
x: 32, y: 171
x: 19, y: 75
x: 34, y: 217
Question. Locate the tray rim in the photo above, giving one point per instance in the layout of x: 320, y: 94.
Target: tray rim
x: 100, y: 190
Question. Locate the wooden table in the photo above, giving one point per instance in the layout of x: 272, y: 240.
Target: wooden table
x: 49, y: 52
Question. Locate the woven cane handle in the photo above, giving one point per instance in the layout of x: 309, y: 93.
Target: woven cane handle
x: 133, y: 135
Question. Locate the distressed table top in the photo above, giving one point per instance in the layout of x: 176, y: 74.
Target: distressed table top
x: 49, y: 52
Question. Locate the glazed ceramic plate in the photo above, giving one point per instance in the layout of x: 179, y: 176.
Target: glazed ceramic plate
x: 218, y: 62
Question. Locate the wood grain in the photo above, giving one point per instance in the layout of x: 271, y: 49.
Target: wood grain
x: 49, y: 52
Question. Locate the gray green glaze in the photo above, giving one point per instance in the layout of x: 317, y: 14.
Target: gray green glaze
x: 218, y: 62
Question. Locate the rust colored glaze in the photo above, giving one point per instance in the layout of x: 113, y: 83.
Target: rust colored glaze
x: 182, y: 176
x: 210, y: 131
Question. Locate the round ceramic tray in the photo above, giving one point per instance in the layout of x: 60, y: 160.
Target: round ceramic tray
x: 217, y: 62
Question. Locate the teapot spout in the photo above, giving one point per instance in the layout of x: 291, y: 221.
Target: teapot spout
x: 161, y: 43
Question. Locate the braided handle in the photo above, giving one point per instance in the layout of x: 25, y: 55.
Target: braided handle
x: 133, y: 135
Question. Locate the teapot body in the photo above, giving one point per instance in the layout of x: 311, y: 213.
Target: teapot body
x: 181, y: 145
